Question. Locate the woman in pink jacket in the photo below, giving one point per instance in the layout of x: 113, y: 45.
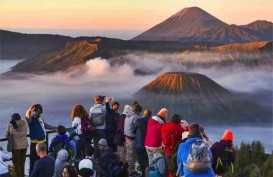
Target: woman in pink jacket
x: 153, y: 141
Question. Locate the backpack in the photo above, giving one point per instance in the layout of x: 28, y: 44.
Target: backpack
x: 96, y: 116
x: 199, y: 160
x: 86, y: 126
x: 169, y: 136
x: 223, y: 161
x: 153, y: 170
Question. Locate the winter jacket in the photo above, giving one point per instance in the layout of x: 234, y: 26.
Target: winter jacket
x: 57, y: 139
x: 37, y: 128
x: 129, y: 123
x: 218, y: 147
x: 111, y: 119
x: 44, y: 167
x: 19, y: 135
x: 104, y: 112
x: 153, y: 135
x: 140, y: 131
x: 171, y: 134
x: 183, y: 152
x: 60, y: 162
x: 77, y: 125
x: 3, y: 155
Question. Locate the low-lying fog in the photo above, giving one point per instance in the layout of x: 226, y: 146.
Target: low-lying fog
x: 60, y: 91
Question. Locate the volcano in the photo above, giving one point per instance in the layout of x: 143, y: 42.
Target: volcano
x: 199, y: 99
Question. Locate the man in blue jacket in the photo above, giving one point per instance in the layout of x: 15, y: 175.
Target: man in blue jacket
x: 194, y: 157
x: 37, y: 131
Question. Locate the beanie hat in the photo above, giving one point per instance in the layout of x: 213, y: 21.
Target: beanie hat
x: 103, y: 142
x: 99, y: 97
x: 86, y: 163
x: 194, y: 130
x: 228, y: 135
x: 163, y: 113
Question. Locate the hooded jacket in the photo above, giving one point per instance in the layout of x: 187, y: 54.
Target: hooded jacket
x: 153, y: 134
x: 183, y: 152
x: 129, y: 123
x: 60, y: 162
x: 140, y: 130
x: 19, y: 135
x: 171, y: 134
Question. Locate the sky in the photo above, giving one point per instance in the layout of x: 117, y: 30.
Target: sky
x: 118, y: 16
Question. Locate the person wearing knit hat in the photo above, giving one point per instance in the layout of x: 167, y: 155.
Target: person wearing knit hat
x: 223, y: 148
x: 103, y: 142
x: 153, y: 139
x: 163, y: 113
x: 86, y: 168
x: 192, y: 149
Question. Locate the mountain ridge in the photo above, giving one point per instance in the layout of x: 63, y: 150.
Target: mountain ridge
x: 195, y: 24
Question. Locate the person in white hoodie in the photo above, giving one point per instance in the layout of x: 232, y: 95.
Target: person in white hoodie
x: 4, y: 172
x: 60, y: 162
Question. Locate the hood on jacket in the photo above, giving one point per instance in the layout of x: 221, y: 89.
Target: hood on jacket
x: 158, y: 119
x: 20, y: 125
x: 62, y: 155
x: 126, y: 109
x: 130, y: 113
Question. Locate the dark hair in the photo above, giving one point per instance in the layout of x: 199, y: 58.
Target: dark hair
x: 117, y: 103
x: 86, y: 172
x: 15, y: 117
x: 38, y: 107
x: 71, y: 170
x: 136, y: 107
x: 89, y: 150
x: 176, y: 118
x: 61, y: 130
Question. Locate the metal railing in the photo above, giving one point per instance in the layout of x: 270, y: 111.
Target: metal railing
x: 47, y: 134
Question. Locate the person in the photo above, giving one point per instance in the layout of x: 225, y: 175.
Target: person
x: 190, y: 161
x: 59, y: 141
x: 60, y: 162
x: 140, y: 131
x: 153, y: 140
x: 159, y: 165
x: 69, y: 171
x: 37, y: 131
x: 97, y: 115
x: 111, y: 122
x: 206, y: 138
x: 171, y: 134
x: 119, y: 138
x: 4, y: 155
x: 44, y: 167
x: 184, y: 124
x: 89, y: 152
x: 78, y: 115
x: 130, y: 135
x: 173, y: 165
x: 223, y: 154
x: 86, y: 168
x: 17, y: 128
x: 109, y: 161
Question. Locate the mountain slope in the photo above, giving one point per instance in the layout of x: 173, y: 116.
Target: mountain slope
x: 199, y: 99
x: 21, y: 46
x: 74, y: 53
x: 181, y: 25
x: 194, y: 24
